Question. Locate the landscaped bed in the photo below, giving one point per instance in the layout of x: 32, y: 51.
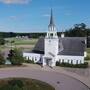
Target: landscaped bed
x: 23, y: 84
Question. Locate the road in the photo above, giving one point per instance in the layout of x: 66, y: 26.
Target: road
x: 58, y: 80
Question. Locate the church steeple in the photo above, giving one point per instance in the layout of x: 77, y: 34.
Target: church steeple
x: 51, y: 18
x: 52, y: 32
x: 51, y: 24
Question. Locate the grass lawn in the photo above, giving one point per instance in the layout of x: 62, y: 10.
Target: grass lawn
x: 19, y: 43
x: 23, y: 84
x: 23, y: 41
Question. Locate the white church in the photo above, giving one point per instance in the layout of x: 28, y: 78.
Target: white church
x: 52, y: 48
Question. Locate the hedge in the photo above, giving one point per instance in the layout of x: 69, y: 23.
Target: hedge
x: 85, y: 65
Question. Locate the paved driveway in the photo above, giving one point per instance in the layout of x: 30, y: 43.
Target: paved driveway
x: 57, y: 80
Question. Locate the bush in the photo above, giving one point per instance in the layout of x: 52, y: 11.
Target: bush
x: 15, y: 56
x: 2, y: 60
x: 29, y: 61
x: 2, y: 41
x: 85, y: 65
x: 87, y: 58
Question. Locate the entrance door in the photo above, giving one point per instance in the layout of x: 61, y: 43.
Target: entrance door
x: 48, y: 62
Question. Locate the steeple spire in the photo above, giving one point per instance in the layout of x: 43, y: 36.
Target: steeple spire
x: 52, y: 32
x: 51, y: 19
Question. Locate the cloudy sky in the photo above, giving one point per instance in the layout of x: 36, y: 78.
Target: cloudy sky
x: 33, y: 15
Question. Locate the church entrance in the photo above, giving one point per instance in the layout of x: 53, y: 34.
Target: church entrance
x: 48, y: 62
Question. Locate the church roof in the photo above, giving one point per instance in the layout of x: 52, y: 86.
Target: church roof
x: 39, y: 47
x: 74, y: 46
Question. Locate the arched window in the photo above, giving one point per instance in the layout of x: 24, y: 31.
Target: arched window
x: 77, y: 62
x: 35, y: 58
x: 68, y: 61
x: 71, y: 61
x: 62, y: 60
x: 80, y: 62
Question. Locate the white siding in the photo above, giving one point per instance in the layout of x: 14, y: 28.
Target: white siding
x: 32, y: 56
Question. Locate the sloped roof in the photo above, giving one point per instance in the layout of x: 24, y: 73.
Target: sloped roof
x: 71, y: 46
x: 39, y: 47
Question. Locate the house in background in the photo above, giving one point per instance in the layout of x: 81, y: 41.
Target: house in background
x: 52, y: 48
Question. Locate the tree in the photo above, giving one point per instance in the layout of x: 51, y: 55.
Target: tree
x: 2, y: 41
x: 2, y: 60
x: 80, y: 26
x: 15, y: 56
x: 79, y: 30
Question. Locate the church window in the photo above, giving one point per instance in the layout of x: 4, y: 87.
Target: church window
x: 62, y: 60
x: 77, y: 62
x: 71, y: 61
x: 35, y: 58
x: 59, y: 60
x: 68, y: 61
x: 80, y: 62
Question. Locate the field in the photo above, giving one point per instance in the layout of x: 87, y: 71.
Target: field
x: 19, y: 43
x: 22, y: 41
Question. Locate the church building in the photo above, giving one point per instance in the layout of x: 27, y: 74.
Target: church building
x: 51, y: 48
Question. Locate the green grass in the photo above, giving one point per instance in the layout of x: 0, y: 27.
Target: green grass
x: 24, y: 84
x: 23, y: 41
x: 19, y: 42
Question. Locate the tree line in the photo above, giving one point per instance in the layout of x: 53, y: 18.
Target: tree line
x: 78, y: 30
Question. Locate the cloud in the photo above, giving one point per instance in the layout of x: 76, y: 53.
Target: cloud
x: 46, y: 15
x: 15, y: 1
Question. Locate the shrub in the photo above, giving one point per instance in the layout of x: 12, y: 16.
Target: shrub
x: 15, y: 56
x: 2, y: 60
x: 29, y: 61
x: 2, y: 41
x: 85, y: 65
x: 87, y: 58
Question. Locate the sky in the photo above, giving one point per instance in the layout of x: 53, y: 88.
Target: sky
x: 34, y: 15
